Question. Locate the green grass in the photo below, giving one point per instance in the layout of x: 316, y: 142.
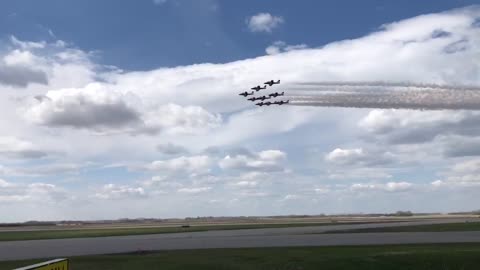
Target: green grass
x: 78, y: 233
x: 451, y: 227
x: 401, y: 257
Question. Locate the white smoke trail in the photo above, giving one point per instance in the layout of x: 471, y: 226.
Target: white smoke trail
x: 384, y: 95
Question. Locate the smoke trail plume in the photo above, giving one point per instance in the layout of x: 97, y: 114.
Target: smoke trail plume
x: 384, y: 95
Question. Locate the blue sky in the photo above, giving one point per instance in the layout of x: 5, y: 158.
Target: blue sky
x: 140, y: 35
x: 117, y: 109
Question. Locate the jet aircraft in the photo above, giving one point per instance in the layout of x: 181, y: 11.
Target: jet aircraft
x: 281, y: 102
x: 271, y: 82
x: 258, y: 88
x: 260, y: 104
x: 262, y: 98
x: 245, y: 94
x: 276, y: 94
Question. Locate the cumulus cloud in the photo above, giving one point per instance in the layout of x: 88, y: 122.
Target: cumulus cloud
x: 115, y: 192
x: 16, y: 148
x: 269, y: 160
x: 322, y: 190
x: 291, y: 197
x: 86, y: 108
x: 358, y: 156
x: 196, y: 106
x: 97, y: 108
x: 34, y: 192
x: 389, y: 187
x: 19, y: 68
x: 358, y: 173
x: 42, y: 170
x: 280, y: 46
x: 176, y: 119
x: 469, y: 166
x: 246, y: 184
x: 410, y: 127
x: 462, y: 174
x: 18, y: 75
x: 264, y: 22
x: 194, y: 190
x: 184, y: 164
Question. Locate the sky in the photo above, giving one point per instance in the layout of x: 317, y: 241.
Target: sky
x: 131, y: 109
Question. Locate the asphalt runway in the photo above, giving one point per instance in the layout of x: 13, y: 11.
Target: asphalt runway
x: 273, y: 237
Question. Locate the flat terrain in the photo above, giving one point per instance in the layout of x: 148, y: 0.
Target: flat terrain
x: 208, y: 222
x: 448, y: 256
x: 447, y: 227
x: 244, y: 238
x: 104, y: 232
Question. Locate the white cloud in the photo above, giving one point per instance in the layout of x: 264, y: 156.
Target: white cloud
x: 357, y: 156
x: 423, y: 137
x: 41, y: 65
x: 345, y: 155
x: 197, y: 106
x: 14, y: 72
x: 91, y: 107
x: 465, y: 173
x: 101, y: 109
x: 42, y: 170
x: 264, y: 22
x: 194, y: 190
x: 280, y: 46
x: 20, y: 58
x: 255, y: 194
x: 175, y: 119
x: 27, y: 45
x: 254, y: 176
x: 291, y: 197
x: 390, y: 187
x: 363, y: 173
x: 16, y: 148
x: 269, y: 160
x: 28, y: 193
x: 469, y: 166
x: 115, y: 192
x: 322, y: 190
x: 4, y: 184
x: 246, y: 184
x: 191, y: 164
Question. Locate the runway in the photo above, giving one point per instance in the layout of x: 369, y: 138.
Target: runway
x: 274, y: 237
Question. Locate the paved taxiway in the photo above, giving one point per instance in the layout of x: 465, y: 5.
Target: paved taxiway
x: 272, y: 237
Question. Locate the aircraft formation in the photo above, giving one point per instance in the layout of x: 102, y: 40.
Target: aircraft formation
x: 264, y: 97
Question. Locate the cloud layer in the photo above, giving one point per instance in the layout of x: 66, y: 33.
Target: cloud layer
x: 179, y: 141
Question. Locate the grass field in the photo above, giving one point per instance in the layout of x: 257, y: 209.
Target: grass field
x: 444, y: 257
x: 465, y: 226
x: 78, y: 233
